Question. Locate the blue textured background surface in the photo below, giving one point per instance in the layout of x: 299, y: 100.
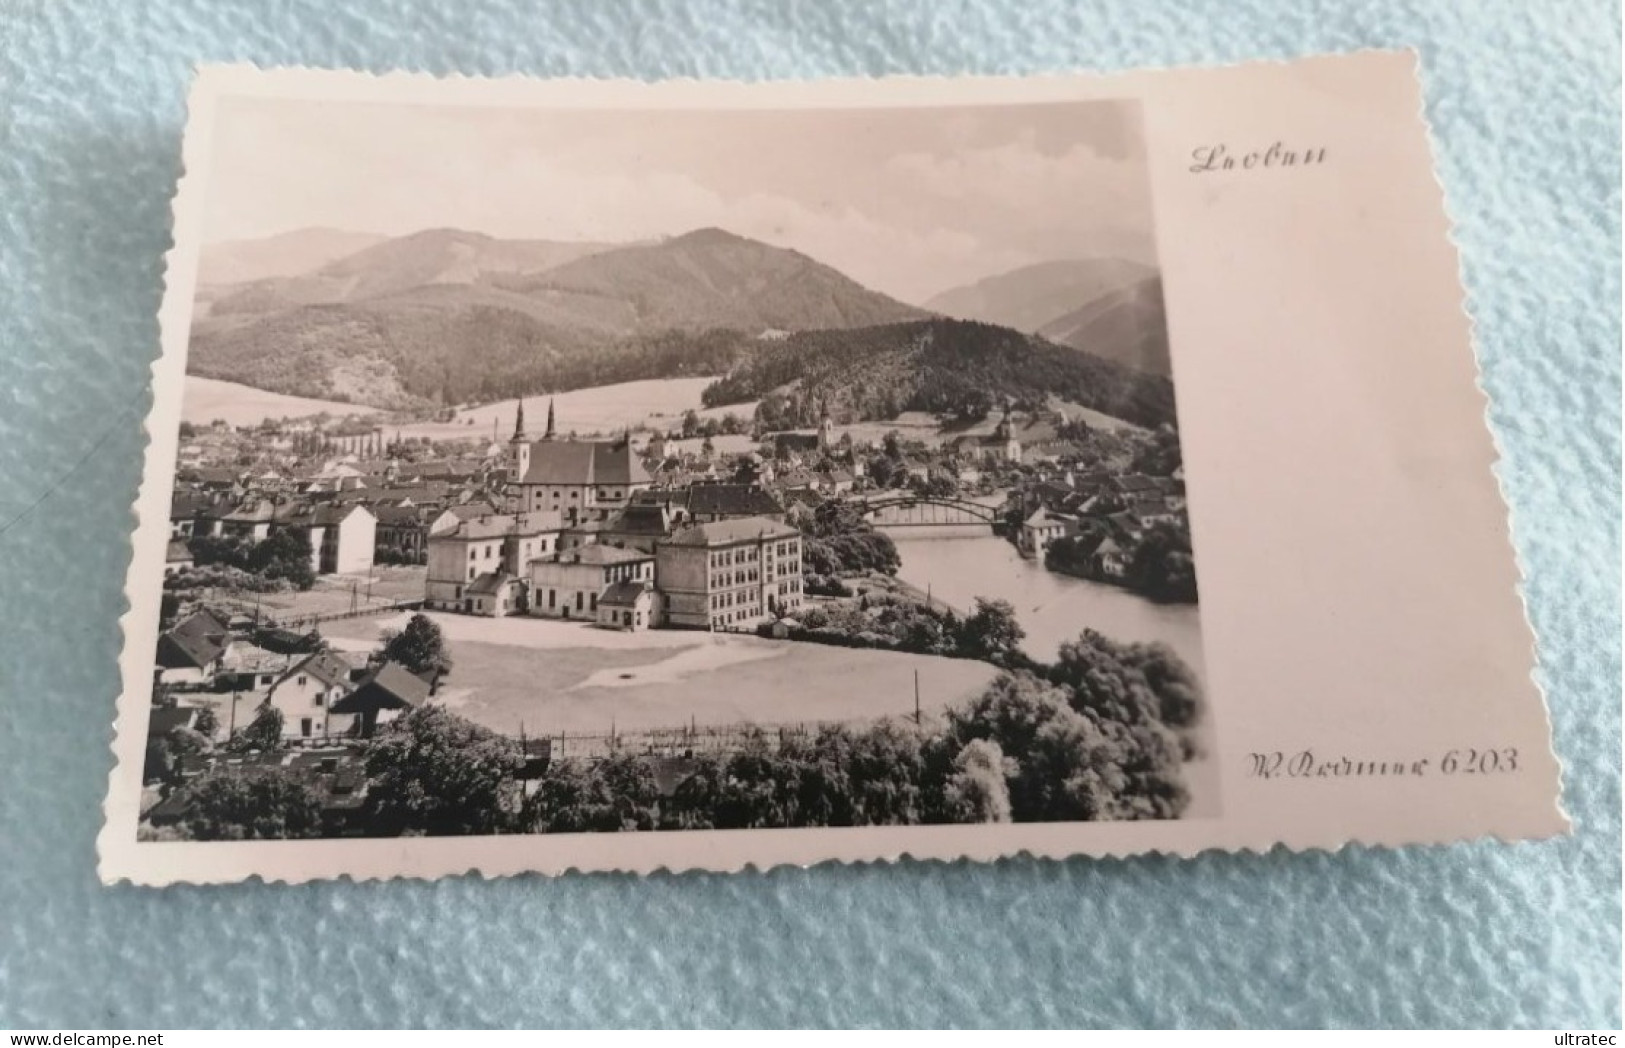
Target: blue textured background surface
x: 1524, y: 103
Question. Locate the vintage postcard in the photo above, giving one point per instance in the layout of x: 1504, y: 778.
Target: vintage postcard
x: 601, y: 475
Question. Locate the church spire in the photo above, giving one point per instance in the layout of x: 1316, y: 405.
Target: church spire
x: 550, y: 430
x: 519, y: 421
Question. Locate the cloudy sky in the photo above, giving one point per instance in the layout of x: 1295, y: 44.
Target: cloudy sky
x: 907, y: 201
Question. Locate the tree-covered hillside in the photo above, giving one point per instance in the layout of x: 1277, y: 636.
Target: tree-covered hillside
x: 936, y: 365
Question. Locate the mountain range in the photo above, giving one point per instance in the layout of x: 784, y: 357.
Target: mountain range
x: 1110, y: 307
x: 287, y: 254
x: 446, y: 316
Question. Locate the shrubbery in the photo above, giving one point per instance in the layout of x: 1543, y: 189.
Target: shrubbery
x: 284, y: 556
x: 218, y: 576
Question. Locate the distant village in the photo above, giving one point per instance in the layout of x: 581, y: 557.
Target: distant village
x: 278, y: 528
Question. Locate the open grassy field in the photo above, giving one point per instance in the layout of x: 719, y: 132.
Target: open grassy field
x: 564, y: 677
x: 207, y: 399
x: 334, y: 594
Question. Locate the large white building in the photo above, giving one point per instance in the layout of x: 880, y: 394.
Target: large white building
x: 729, y: 573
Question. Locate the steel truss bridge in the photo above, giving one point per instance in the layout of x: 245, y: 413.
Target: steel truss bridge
x: 909, y: 510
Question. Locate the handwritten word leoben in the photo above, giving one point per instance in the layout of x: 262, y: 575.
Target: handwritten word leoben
x: 1219, y: 158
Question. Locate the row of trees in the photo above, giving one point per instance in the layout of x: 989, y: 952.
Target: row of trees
x: 1100, y: 734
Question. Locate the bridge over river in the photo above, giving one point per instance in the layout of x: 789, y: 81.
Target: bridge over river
x: 907, y: 509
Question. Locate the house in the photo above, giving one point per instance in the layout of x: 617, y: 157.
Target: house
x: 383, y: 695
x: 729, y: 573
x: 245, y: 666
x: 189, y: 654
x: 404, y: 529
x: 184, y: 508
x: 1040, y: 529
x: 1152, y: 511
x: 1110, y: 559
x: 629, y: 605
x: 249, y: 521
x: 495, y: 594
x: 305, y: 695
x: 569, y: 584
x: 178, y: 557
x: 580, y: 479
x: 343, y: 539
x: 835, y: 481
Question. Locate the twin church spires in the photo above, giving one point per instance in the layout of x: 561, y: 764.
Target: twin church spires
x: 519, y: 434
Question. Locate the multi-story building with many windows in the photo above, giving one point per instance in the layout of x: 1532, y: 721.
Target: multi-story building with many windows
x: 729, y: 573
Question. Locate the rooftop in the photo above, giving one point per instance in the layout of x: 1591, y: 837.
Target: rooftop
x: 584, y: 462
x: 624, y: 594
x: 733, y: 500
x: 726, y: 532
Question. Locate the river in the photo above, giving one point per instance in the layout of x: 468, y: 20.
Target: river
x: 959, y: 564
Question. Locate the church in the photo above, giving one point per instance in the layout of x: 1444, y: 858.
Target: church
x: 584, y: 480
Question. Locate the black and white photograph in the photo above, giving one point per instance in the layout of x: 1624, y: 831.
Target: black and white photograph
x: 552, y: 471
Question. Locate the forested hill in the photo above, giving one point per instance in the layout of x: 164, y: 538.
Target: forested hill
x: 482, y: 329
x: 936, y: 365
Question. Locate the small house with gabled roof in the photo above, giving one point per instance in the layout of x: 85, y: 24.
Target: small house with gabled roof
x: 383, y: 695
x: 305, y: 695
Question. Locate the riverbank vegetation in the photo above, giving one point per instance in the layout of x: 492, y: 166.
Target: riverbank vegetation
x: 1159, y: 566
